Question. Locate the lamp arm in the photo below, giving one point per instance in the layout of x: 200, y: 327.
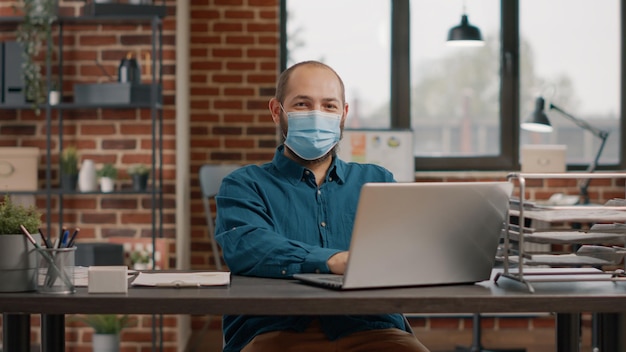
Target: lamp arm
x: 603, y: 135
x: 584, y: 185
x: 582, y: 123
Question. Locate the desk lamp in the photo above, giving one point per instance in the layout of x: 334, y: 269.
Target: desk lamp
x: 465, y: 34
x: 538, y: 122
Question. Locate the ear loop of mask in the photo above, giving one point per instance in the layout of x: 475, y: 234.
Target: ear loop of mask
x: 280, y: 119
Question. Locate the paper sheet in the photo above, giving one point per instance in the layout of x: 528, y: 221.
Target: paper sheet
x: 193, y: 279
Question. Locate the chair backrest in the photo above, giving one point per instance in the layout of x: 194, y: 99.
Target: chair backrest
x: 211, y: 177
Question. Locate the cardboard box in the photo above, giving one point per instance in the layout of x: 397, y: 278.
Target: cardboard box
x: 18, y: 168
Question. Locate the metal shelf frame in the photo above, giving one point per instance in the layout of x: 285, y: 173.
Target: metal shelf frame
x: 520, y: 274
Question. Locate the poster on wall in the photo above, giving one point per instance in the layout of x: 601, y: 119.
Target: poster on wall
x: 391, y: 149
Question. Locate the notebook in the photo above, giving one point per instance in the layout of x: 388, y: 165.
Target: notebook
x: 418, y: 234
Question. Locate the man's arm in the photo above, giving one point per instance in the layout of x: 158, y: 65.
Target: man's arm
x: 245, y: 230
x: 337, y: 263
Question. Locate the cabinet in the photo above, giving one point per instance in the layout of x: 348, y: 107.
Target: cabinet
x: 595, y: 233
x: 54, y: 122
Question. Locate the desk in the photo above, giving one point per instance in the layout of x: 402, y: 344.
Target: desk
x: 248, y: 295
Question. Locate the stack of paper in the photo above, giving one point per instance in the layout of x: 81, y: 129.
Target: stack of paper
x: 191, y: 279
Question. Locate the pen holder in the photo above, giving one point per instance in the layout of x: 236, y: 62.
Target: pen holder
x: 55, y: 270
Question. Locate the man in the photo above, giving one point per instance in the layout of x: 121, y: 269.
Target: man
x: 295, y: 215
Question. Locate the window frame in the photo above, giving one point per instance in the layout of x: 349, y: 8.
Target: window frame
x: 400, y: 86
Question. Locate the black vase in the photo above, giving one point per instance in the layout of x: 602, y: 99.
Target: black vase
x: 140, y: 182
x: 69, y: 182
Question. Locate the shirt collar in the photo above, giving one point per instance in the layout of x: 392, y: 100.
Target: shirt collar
x: 294, y: 171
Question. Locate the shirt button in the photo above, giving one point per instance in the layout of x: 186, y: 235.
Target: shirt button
x: 284, y: 272
x: 319, y: 192
x: 323, y: 223
x: 307, y: 172
x: 330, y: 179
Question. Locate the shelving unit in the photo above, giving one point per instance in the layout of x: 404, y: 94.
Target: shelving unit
x: 154, y: 105
x: 600, y: 245
x: 55, y: 323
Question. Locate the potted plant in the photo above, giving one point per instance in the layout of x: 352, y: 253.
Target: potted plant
x: 69, y: 168
x: 32, y: 33
x: 141, y: 258
x: 18, y: 257
x: 139, y: 173
x: 107, y: 329
x: 107, y: 175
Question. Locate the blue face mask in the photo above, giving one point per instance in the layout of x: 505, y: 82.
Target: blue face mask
x: 312, y: 134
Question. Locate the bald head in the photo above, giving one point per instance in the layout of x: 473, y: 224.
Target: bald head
x: 283, y: 85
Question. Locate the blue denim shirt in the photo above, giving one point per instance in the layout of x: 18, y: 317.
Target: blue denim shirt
x: 273, y: 221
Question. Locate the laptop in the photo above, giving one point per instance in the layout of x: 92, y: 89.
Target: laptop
x: 422, y: 234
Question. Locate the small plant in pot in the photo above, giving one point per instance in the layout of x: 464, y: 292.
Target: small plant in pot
x: 107, y: 329
x: 69, y: 168
x: 139, y: 173
x: 107, y: 175
x: 18, y: 258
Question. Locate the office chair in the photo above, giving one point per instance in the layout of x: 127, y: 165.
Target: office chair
x: 211, y: 177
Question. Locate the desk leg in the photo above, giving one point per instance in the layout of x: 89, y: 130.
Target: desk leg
x: 16, y: 332
x: 606, y: 331
x: 52, y: 333
x: 567, y: 332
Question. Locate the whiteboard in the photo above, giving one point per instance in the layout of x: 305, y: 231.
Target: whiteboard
x: 391, y: 149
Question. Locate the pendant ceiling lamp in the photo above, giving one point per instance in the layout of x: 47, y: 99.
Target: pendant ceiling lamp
x: 465, y: 34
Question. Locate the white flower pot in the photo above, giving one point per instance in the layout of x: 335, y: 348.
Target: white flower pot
x: 54, y: 97
x: 106, y: 342
x: 107, y: 184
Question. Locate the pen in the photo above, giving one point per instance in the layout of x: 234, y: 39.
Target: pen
x: 43, y: 237
x: 71, y: 242
x: 29, y: 236
x: 63, y: 240
x: 60, y: 241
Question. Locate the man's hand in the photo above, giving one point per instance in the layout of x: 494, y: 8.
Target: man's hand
x: 337, y: 263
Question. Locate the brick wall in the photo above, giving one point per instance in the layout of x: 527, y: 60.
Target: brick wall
x: 234, y: 58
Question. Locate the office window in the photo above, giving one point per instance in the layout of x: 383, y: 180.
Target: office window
x: 353, y: 37
x: 457, y: 89
x: 465, y: 104
x: 570, y: 54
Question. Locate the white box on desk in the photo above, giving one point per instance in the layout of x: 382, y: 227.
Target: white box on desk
x: 18, y: 168
x: 543, y: 158
x: 107, y: 279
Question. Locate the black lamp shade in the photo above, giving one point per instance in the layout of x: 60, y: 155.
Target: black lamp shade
x: 465, y: 34
x: 538, y: 121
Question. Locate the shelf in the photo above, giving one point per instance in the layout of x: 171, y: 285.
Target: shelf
x: 94, y: 20
x: 152, y: 25
x: 571, y: 237
x: 599, y: 246
x: 72, y: 106
x: 58, y: 191
x: 563, y: 260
